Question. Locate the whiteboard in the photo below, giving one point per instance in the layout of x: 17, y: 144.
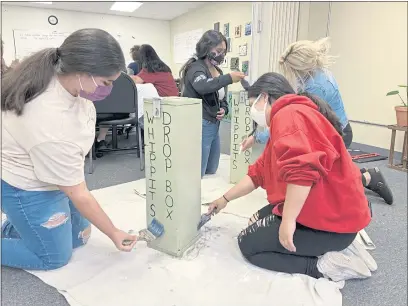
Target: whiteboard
x: 27, y: 42
x: 185, y: 44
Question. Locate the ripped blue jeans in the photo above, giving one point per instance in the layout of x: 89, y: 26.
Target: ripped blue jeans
x: 41, y: 230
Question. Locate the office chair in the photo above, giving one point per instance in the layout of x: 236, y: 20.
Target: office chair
x: 122, y: 100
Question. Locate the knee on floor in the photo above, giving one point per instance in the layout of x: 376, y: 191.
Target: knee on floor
x: 57, y: 260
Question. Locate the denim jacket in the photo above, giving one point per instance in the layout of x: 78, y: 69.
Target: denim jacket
x: 323, y: 85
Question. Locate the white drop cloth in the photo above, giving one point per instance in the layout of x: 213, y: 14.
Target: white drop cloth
x: 213, y: 273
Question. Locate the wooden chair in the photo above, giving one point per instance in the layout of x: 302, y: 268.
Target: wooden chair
x: 402, y: 166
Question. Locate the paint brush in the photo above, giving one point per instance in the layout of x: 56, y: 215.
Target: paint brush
x: 154, y: 230
x: 204, y: 219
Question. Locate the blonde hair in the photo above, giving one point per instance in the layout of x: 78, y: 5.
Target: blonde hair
x: 302, y: 58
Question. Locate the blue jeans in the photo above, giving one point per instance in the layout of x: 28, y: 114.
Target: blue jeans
x: 210, y: 147
x: 41, y: 230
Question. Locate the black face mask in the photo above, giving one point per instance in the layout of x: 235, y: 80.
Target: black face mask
x: 216, y: 59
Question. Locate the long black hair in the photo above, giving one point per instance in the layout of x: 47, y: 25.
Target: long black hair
x: 209, y: 40
x: 276, y: 86
x: 91, y: 51
x: 151, y: 61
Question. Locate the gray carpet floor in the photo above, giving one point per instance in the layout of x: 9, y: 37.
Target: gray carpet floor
x: 388, y: 230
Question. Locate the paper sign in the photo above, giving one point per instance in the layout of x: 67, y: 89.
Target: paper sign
x: 156, y: 108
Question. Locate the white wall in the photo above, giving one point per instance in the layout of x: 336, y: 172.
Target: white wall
x: 372, y: 49
x: 144, y: 31
x: 236, y: 13
x: 370, y: 40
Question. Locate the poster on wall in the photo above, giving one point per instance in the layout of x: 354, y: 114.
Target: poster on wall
x: 226, y: 30
x: 243, y: 50
x: 229, y: 44
x: 234, y: 63
x: 237, y: 31
x: 217, y: 26
x: 248, y: 29
x: 245, y: 67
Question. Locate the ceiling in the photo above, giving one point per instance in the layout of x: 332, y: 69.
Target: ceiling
x: 150, y: 10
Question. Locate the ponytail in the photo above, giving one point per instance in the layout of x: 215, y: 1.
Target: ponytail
x: 325, y: 110
x: 183, y: 71
x: 28, y: 80
x: 302, y: 58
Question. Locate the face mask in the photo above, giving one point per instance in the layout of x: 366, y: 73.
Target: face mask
x: 100, y: 93
x: 259, y: 116
x: 216, y: 59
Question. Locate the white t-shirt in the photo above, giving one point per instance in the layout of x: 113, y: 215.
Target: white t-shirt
x: 46, y: 146
x: 221, y: 94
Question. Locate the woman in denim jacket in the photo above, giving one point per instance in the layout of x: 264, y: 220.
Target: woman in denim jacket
x: 305, y: 64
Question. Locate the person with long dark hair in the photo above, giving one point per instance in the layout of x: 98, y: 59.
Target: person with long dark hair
x: 316, y: 201
x: 48, y: 126
x: 156, y: 72
x: 305, y: 64
x: 201, y: 78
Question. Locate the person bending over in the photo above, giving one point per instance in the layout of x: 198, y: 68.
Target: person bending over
x: 48, y: 128
x: 201, y: 78
x: 317, y: 203
x: 156, y: 72
x: 305, y: 64
x: 134, y: 67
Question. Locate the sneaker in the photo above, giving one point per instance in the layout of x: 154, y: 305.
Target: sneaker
x: 340, y: 266
x: 360, y: 251
x: 379, y: 185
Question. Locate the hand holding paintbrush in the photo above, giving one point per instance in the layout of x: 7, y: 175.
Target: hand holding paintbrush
x: 154, y: 230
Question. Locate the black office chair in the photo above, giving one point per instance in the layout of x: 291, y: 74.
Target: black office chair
x: 122, y: 100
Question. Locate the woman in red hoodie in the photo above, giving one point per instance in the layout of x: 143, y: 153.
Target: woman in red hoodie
x: 317, y: 203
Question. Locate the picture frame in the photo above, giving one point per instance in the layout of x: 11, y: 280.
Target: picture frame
x: 234, y: 63
x: 243, y: 50
x: 226, y: 30
x: 229, y: 44
x: 248, y: 29
x: 217, y: 26
x: 237, y: 31
x: 245, y: 67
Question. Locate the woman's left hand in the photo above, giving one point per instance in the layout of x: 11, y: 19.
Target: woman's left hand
x: 286, y: 232
x: 221, y: 114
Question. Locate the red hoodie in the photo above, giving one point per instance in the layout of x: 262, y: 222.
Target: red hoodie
x: 305, y: 149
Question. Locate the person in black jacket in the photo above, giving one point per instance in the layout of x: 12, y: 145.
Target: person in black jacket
x: 202, y: 78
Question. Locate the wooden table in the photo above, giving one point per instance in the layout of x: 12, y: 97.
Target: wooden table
x: 402, y: 166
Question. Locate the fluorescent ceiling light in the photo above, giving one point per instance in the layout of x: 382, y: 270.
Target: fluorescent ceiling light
x: 125, y: 6
x: 44, y: 2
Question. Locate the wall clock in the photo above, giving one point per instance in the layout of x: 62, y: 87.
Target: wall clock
x: 53, y: 20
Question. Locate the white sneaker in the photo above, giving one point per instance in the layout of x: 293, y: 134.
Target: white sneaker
x: 360, y: 251
x: 339, y: 266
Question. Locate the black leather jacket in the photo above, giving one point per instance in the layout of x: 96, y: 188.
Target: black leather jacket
x: 199, y: 84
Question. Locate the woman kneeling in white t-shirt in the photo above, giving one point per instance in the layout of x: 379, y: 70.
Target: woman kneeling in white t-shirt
x: 48, y: 128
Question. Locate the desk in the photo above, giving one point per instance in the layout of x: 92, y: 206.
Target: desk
x: 403, y: 165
